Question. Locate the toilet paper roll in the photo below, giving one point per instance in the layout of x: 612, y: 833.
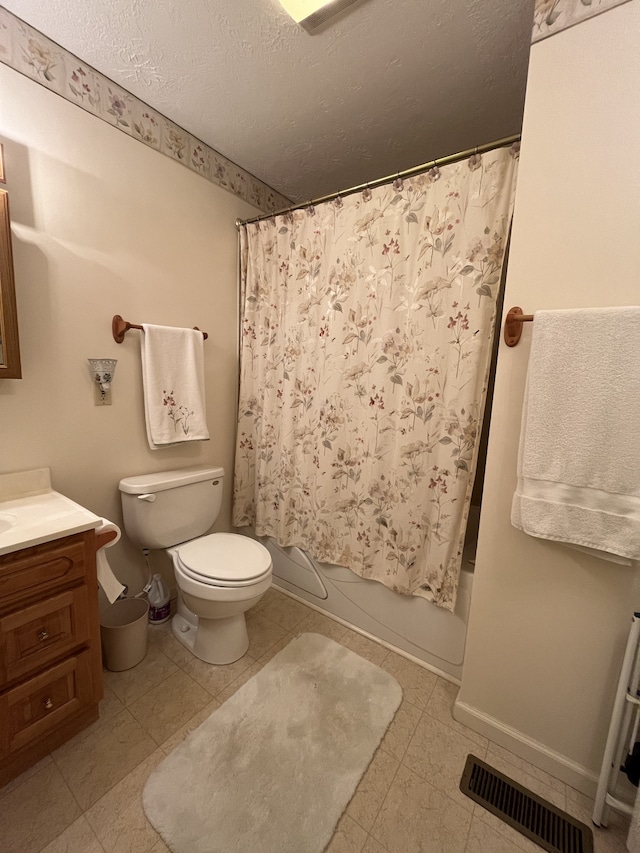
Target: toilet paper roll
x: 109, y: 583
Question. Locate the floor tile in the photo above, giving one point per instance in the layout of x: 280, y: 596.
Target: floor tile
x: 285, y: 611
x: 579, y: 805
x: 438, y: 754
x: 131, y: 684
x: 174, y: 649
x: 417, y: 683
x: 418, y: 818
x: 520, y: 841
x: 318, y: 623
x: 157, y: 632
x: 169, y: 705
x: 440, y: 706
x: 372, y: 789
x: 364, y: 647
x: 401, y: 730
x: 273, y: 651
x: 118, y: 818
x: 35, y: 812
x: 30, y: 771
x: 78, y: 838
x: 408, y: 800
x: 609, y: 839
x: 348, y: 837
x: 483, y: 839
x: 215, y: 678
x: 225, y: 694
x: 110, y: 705
x: 177, y: 737
x: 95, y: 764
x: 263, y: 634
x: 270, y: 596
x: 513, y: 766
x: 373, y: 846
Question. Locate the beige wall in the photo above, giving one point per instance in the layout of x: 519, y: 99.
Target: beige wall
x: 548, y: 625
x: 103, y: 225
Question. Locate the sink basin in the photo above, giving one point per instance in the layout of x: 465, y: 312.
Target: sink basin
x: 7, y: 521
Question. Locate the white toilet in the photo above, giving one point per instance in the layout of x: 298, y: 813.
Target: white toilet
x: 219, y: 576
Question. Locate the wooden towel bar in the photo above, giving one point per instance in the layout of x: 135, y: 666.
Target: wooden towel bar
x: 120, y: 327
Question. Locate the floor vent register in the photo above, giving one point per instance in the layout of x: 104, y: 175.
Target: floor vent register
x: 537, y: 819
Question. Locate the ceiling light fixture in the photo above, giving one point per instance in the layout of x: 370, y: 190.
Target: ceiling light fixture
x: 311, y: 14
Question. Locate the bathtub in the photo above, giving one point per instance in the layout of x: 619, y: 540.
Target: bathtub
x: 412, y: 626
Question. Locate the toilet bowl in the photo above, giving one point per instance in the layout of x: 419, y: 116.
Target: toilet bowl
x: 219, y: 577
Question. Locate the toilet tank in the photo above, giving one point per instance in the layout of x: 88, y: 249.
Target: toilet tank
x: 169, y: 507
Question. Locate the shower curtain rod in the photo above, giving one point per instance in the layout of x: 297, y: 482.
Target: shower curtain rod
x: 416, y: 170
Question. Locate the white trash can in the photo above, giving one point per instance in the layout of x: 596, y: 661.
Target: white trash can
x: 123, y: 629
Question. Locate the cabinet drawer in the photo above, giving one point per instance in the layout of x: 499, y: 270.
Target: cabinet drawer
x: 41, y: 569
x: 34, y: 636
x: 37, y: 706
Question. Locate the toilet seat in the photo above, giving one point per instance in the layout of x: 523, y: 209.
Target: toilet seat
x: 224, y: 559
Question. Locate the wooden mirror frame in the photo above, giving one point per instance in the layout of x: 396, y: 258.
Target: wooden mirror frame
x: 10, y: 359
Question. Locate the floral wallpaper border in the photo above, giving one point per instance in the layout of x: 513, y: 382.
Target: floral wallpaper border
x: 553, y: 16
x: 31, y: 53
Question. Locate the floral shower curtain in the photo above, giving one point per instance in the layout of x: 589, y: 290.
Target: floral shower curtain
x: 367, y: 325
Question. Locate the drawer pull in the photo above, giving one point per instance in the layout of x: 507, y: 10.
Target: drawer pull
x: 48, y: 704
x: 43, y: 635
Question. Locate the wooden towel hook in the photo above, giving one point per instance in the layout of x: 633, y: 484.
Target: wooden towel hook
x: 513, y: 325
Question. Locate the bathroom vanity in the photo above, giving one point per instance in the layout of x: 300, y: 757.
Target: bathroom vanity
x: 50, y: 658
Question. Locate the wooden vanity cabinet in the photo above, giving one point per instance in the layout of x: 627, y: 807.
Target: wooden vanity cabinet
x: 50, y: 658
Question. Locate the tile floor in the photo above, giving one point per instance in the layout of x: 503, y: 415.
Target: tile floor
x: 86, y: 796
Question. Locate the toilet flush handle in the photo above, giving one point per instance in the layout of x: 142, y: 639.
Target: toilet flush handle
x: 151, y: 498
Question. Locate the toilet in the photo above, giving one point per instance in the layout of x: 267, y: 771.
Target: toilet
x: 219, y: 576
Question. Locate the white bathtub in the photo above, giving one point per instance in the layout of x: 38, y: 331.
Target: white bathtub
x: 413, y: 626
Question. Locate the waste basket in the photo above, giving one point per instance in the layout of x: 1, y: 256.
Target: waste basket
x: 123, y: 628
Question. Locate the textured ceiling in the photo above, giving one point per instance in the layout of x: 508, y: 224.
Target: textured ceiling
x: 387, y: 85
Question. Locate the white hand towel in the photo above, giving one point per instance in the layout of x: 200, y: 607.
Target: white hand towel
x: 173, y: 380
x: 579, y: 457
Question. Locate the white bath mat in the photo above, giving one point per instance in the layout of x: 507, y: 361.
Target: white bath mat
x: 272, y: 770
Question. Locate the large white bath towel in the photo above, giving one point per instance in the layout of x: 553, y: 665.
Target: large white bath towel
x: 579, y: 458
x: 173, y: 380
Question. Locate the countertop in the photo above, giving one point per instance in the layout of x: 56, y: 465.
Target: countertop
x: 31, y: 516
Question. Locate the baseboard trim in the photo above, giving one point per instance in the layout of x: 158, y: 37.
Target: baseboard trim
x: 558, y: 765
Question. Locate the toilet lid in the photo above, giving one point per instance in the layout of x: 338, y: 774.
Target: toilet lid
x: 225, y: 559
